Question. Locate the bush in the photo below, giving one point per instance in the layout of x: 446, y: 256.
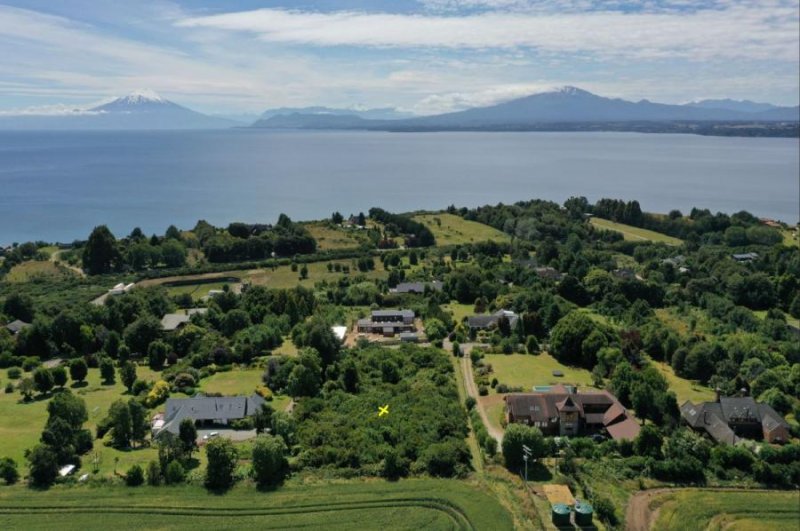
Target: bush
x: 605, y: 510
x: 222, y: 456
x: 9, y: 388
x: 483, y: 391
x: 470, y: 403
x: 153, y: 473
x: 175, y: 473
x: 264, y: 392
x: 270, y: 466
x: 14, y: 373
x: 532, y: 345
x: 158, y: 394
x: 8, y: 470
x: 134, y: 476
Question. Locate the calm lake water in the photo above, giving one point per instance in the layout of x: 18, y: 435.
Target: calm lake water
x: 56, y: 186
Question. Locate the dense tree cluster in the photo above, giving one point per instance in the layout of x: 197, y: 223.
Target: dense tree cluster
x: 415, y: 233
x: 242, y: 242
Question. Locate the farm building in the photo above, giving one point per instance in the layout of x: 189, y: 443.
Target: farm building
x: 173, y: 321
x: 568, y: 412
x: 205, y: 410
x: 729, y: 419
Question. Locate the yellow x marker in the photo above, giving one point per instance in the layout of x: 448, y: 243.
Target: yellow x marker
x: 383, y: 410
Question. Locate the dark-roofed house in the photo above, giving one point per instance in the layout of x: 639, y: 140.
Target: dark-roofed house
x: 417, y: 287
x: 387, y: 322
x: 15, y: 327
x: 745, y: 257
x: 729, y: 419
x: 566, y: 412
x: 549, y: 273
x: 206, y: 410
x: 173, y: 321
x: 485, y: 322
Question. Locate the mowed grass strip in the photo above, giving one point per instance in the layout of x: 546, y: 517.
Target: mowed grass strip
x: 684, y: 389
x: 407, y: 504
x: 449, y: 229
x: 631, y: 233
x: 727, y: 509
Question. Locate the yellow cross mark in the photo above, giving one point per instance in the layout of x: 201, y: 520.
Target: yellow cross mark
x: 383, y: 410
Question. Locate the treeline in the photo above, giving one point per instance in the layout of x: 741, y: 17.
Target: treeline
x: 416, y: 234
x: 241, y: 242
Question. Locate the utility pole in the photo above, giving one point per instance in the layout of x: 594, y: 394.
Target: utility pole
x: 526, y: 455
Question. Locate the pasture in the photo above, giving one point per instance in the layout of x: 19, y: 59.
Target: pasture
x: 407, y: 504
x: 38, y: 270
x: 525, y: 370
x: 726, y: 509
x: 684, y: 389
x: 332, y: 237
x: 449, y: 229
x: 632, y: 233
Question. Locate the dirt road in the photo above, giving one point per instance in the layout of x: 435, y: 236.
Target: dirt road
x: 472, y: 390
x: 638, y: 515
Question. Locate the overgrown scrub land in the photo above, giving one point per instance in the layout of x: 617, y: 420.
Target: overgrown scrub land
x: 631, y: 233
x: 726, y: 509
x: 408, y: 504
x: 710, y: 304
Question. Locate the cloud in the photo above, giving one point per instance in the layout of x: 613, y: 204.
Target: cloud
x: 735, y: 32
x: 59, y: 109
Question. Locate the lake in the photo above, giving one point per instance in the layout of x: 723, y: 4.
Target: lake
x: 56, y: 186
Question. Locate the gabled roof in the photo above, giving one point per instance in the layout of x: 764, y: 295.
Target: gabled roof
x: 392, y: 313
x: 739, y: 407
x: 486, y: 321
x: 627, y: 430
x: 568, y: 404
x: 16, y: 326
x: 418, y: 287
x: 173, y: 321
x: 209, y: 408
x: 613, y: 414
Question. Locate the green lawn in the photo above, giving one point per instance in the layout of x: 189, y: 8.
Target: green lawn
x: 526, y: 371
x: 197, y: 291
x: 684, y: 389
x: 794, y: 321
x: 21, y: 423
x: 634, y: 233
x: 233, y: 382
x: 732, y: 510
x: 449, y: 229
x: 408, y: 504
x: 459, y: 310
x: 329, y: 237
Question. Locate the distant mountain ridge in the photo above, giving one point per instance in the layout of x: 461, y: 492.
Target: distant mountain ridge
x: 568, y: 105
x: 141, y: 110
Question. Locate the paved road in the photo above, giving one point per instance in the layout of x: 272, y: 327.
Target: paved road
x: 472, y: 390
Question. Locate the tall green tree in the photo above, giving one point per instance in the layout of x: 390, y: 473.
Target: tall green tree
x: 101, y: 255
x: 270, y: 466
x: 517, y: 436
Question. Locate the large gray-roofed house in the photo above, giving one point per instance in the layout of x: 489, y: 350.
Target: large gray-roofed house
x: 417, y: 287
x: 208, y: 409
x: 387, y: 322
x: 729, y: 419
x: 483, y: 322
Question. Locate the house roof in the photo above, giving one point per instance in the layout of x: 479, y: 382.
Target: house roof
x: 708, y: 416
x: 173, y: 321
x: 392, y: 313
x: 628, y: 430
x: 543, y: 406
x: 613, y: 414
x: 486, y: 321
x: 739, y: 407
x: 418, y: 287
x: 209, y: 408
x: 15, y: 326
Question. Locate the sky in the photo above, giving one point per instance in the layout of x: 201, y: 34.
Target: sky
x: 421, y: 56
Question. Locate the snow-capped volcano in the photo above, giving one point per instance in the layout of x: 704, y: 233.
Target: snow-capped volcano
x: 138, y: 101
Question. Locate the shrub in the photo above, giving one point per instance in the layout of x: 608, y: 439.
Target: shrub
x: 8, y: 470
x: 270, y: 466
x: 222, y: 456
x: 264, y: 392
x: 605, y: 510
x: 532, y: 345
x: 501, y: 388
x: 153, y: 473
x: 14, y: 373
x: 175, y: 473
x: 470, y: 403
x: 135, y: 476
x: 483, y: 391
x: 9, y: 388
x: 158, y: 394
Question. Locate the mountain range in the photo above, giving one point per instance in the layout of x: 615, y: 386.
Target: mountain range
x: 567, y: 108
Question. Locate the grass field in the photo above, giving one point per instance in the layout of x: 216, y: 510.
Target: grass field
x: 730, y: 510
x: 634, y: 233
x: 27, y: 271
x: 233, y: 382
x: 197, y: 291
x: 21, y: 423
x: 453, y: 230
x: 526, y: 371
x: 684, y: 389
x: 790, y: 238
x: 408, y: 504
x: 459, y: 310
x: 329, y: 237
x: 794, y: 321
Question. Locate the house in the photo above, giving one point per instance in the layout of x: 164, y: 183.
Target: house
x: 485, y: 322
x: 205, y: 410
x: 173, y: 321
x: 745, y: 257
x: 408, y: 337
x: 565, y: 411
x: 387, y: 322
x: 731, y: 418
x: 121, y: 289
x: 15, y: 327
x: 417, y: 287
x: 624, y: 274
x: 549, y: 273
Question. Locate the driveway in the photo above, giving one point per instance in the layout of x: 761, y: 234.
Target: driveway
x: 234, y: 435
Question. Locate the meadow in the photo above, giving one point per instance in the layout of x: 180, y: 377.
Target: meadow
x: 632, y: 233
x: 727, y: 509
x: 449, y: 229
x: 407, y: 504
x: 525, y: 370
